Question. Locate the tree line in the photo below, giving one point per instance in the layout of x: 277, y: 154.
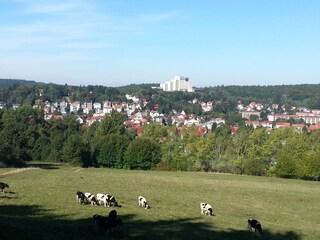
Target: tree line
x: 284, y: 152
x: 224, y: 98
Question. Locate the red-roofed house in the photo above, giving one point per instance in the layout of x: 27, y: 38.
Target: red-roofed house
x: 314, y: 127
x: 282, y: 124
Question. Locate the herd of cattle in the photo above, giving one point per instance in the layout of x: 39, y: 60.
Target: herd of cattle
x: 108, y: 200
x: 111, y: 221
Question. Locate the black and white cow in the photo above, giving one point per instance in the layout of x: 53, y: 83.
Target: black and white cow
x: 101, y: 199
x: 111, y: 201
x: 254, y: 225
x: 107, y: 200
x: 3, y: 186
x: 91, y: 198
x: 80, y: 197
x: 206, y: 209
x: 143, y: 202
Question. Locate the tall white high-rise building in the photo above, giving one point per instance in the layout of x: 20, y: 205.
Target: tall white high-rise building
x: 178, y: 83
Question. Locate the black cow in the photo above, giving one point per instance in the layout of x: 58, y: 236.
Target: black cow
x: 80, y: 197
x: 3, y: 186
x: 254, y: 226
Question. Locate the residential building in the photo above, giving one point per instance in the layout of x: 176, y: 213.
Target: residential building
x: 247, y: 114
x: 75, y: 106
x: 178, y: 83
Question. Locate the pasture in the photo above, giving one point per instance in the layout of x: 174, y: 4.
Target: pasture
x: 41, y: 204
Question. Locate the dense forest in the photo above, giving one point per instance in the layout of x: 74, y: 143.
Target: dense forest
x: 11, y: 82
x: 26, y: 136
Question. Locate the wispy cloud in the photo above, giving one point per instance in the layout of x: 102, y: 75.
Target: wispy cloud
x: 72, y: 23
x: 52, y: 6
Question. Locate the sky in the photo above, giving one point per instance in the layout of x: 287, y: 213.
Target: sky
x: 121, y: 42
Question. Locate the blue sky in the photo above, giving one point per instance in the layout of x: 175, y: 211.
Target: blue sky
x: 119, y: 42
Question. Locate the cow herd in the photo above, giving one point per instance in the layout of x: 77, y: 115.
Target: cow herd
x: 112, y: 221
x: 99, y: 199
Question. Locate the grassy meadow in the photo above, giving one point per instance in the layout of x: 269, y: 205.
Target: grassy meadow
x: 41, y: 204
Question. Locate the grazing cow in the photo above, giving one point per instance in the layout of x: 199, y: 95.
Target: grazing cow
x: 91, y: 199
x: 143, y: 202
x: 254, y: 225
x: 107, y: 200
x: 3, y: 186
x: 111, y: 201
x: 80, y: 197
x: 206, y: 209
x: 100, y: 198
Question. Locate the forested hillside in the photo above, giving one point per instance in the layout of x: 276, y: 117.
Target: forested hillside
x: 11, y: 82
x: 224, y: 97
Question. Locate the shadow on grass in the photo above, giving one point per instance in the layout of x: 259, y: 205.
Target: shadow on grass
x: 33, y: 222
x: 7, y: 197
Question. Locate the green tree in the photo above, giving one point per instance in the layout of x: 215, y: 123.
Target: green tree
x: 309, y: 167
x: 142, y: 153
x: 75, y: 152
x: 111, y: 149
x: 112, y: 124
x: 20, y: 130
x: 155, y: 131
x: 290, y: 156
x: 258, y: 156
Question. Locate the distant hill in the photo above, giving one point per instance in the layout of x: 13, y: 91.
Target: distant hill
x: 224, y: 98
x: 13, y: 82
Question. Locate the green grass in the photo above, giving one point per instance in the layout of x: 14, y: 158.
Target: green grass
x: 41, y: 204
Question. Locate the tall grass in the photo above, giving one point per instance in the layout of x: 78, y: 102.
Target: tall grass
x: 41, y: 204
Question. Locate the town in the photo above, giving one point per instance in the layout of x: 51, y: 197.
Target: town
x: 137, y: 115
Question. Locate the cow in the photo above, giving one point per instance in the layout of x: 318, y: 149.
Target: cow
x: 254, y: 226
x: 3, y: 186
x: 111, y: 201
x: 91, y: 198
x: 143, y: 202
x: 101, y: 198
x: 80, y: 197
x: 107, y: 200
x: 206, y: 209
